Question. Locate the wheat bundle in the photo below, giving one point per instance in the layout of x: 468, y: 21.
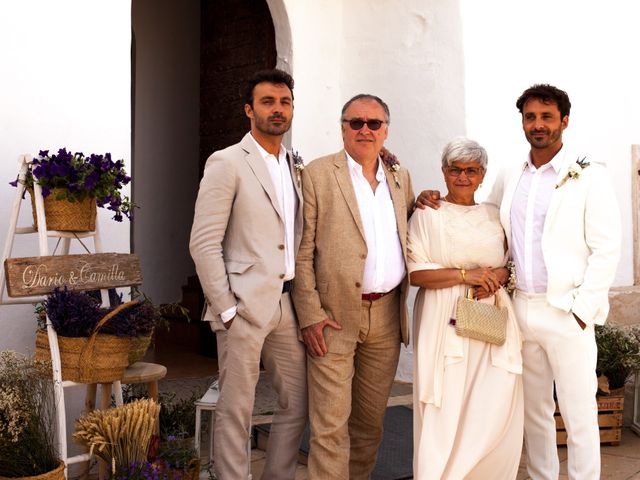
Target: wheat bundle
x: 120, y: 435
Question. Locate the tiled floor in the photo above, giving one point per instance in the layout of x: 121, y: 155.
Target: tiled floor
x: 621, y: 462
x: 194, y: 372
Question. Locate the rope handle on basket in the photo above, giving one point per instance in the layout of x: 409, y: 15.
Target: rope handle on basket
x: 111, y: 314
x: 88, y: 349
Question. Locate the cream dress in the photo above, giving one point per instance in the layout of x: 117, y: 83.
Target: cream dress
x: 468, y: 403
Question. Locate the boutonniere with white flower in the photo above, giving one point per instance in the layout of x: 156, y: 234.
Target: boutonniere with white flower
x: 391, y: 162
x: 298, y: 164
x: 574, y: 171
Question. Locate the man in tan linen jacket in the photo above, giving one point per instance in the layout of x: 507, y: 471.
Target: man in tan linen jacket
x: 246, y: 230
x: 350, y: 291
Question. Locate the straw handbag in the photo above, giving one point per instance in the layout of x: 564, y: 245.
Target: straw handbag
x: 481, y: 321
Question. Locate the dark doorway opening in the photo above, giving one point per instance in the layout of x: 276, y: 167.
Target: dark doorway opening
x: 190, y: 62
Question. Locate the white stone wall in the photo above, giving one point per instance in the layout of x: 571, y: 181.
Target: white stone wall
x: 64, y: 82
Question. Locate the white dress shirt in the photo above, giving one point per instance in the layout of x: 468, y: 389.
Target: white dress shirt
x: 528, y: 212
x: 384, y: 267
x: 283, y: 184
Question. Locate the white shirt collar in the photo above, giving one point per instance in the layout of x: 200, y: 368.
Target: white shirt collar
x: 555, y: 163
x: 264, y: 154
x: 356, y: 167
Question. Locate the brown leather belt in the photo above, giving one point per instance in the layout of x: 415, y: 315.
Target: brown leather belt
x: 372, y: 297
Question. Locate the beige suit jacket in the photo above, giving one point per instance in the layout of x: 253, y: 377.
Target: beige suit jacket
x: 330, y: 262
x: 237, y: 238
x: 580, y: 239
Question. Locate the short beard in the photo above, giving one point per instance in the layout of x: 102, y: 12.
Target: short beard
x: 552, y: 138
x: 263, y: 126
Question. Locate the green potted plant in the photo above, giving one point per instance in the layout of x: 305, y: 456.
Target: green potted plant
x: 177, y: 428
x: 618, y: 353
x: 73, y: 184
x: 27, y: 419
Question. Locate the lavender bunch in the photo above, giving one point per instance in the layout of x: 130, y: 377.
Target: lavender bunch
x: 79, y: 177
x: 73, y: 314
x: 146, y: 470
x: 135, y: 321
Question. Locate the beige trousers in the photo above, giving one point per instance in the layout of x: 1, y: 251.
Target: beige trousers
x: 555, y: 348
x: 283, y: 356
x: 348, y: 392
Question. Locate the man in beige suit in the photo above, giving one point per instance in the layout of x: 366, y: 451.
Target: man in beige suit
x: 246, y: 230
x: 350, y: 291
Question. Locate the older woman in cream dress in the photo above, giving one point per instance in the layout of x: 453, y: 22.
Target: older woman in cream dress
x: 468, y: 403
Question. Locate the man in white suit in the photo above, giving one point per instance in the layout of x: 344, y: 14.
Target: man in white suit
x: 562, y: 223
x: 246, y: 231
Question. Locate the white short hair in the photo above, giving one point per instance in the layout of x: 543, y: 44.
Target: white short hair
x: 464, y: 150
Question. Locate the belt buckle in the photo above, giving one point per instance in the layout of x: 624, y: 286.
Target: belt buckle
x: 372, y: 297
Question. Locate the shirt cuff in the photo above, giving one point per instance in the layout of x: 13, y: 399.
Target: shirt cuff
x: 229, y: 314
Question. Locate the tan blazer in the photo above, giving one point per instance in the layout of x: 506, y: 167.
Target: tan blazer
x: 237, y: 238
x: 581, y: 236
x: 330, y: 262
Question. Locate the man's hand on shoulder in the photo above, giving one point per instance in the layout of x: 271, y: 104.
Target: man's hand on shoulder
x: 428, y: 198
x: 314, y: 338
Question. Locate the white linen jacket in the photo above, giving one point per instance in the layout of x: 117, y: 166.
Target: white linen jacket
x: 581, y: 236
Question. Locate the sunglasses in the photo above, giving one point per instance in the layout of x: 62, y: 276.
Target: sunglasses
x: 469, y: 172
x: 358, y: 123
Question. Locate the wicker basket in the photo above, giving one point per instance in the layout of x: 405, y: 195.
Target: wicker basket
x: 138, y: 347
x: 57, y: 474
x: 65, y: 215
x: 94, y: 359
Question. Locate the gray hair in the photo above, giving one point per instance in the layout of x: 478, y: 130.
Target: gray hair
x: 371, y: 98
x: 464, y: 150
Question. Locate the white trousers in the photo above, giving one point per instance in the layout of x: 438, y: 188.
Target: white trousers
x: 555, y: 348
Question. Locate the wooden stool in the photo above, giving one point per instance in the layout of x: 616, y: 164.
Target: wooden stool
x: 139, y: 372
x: 143, y: 372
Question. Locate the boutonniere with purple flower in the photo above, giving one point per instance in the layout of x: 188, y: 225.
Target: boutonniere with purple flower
x: 574, y: 171
x: 298, y: 164
x: 391, y: 162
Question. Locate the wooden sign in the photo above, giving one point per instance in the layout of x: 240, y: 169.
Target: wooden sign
x: 29, y: 276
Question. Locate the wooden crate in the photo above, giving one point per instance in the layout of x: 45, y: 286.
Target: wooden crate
x: 610, y: 412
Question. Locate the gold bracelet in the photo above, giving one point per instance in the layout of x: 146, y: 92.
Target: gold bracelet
x: 462, y: 274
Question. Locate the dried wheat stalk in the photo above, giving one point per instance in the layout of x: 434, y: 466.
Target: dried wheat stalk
x: 122, y: 434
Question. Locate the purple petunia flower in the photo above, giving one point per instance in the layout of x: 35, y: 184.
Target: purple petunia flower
x: 79, y: 176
